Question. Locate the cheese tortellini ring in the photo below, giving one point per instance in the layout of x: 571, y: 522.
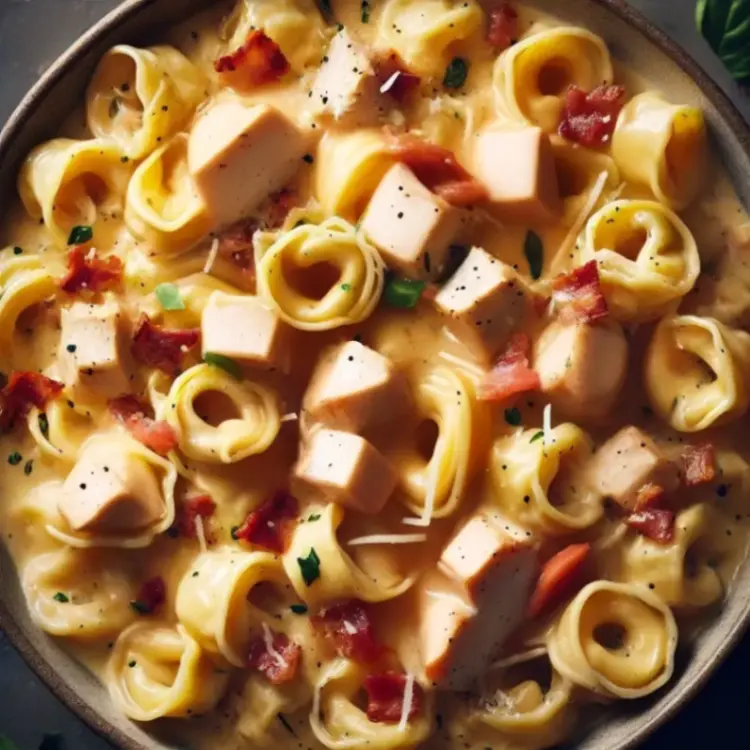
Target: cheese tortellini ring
x: 422, y: 31
x: 540, y: 482
x: 68, y: 183
x: 213, y: 599
x: 339, y: 724
x: 662, y: 146
x: 249, y: 431
x: 158, y: 671
x: 531, y: 78
x: 77, y: 594
x: 163, y: 206
x: 344, y: 288
x: 696, y: 372
x: 340, y: 577
x: 139, y: 97
x: 648, y: 259
x: 616, y: 640
x: 60, y: 431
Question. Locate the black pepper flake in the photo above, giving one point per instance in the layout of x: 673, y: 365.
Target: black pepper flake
x: 28, y: 467
x: 308, y: 158
x: 71, y: 348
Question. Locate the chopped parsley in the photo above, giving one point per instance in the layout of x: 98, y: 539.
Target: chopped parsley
x: 538, y: 436
x: 346, y: 287
x: 43, y: 425
x: 456, y: 73
x: 309, y: 567
x: 404, y: 293
x: 224, y: 363
x: 365, y: 5
x: 513, y: 416
x: 60, y: 597
x: 533, y: 249
x: 169, y: 297
x: 15, y: 458
x: 313, y: 517
x: 81, y: 234
x: 299, y: 609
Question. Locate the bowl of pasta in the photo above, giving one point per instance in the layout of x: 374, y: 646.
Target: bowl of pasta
x: 375, y: 375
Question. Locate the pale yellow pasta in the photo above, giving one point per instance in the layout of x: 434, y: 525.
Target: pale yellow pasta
x: 647, y: 258
x: 157, y: 670
x: 140, y: 97
x: 696, y: 372
x: 662, y: 146
x: 60, y: 431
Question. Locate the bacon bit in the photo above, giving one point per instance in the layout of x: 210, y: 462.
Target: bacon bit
x: 655, y: 523
x: 347, y: 626
x: 156, y: 435
x: 259, y: 60
x: 162, y: 347
x: 580, y: 296
x: 511, y: 373
x: 590, y: 119
x: 280, y: 204
x: 385, y: 697
x: 22, y: 391
x: 86, y: 271
x: 649, y: 496
x: 559, y: 576
x: 266, y: 526
x: 281, y: 665
x: 502, y: 30
x: 699, y: 464
x: 395, y: 78
x: 152, y: 595
x: 236, y: 246
x: 202, y: 505
x: 437, y: 169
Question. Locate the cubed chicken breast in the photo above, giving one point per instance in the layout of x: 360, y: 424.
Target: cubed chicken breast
x: 626, y: 462
x: 346, y: 469
x: 582, y: 367
x: 111, y: 492
x: 354, y: 388
x: 484, y: 301
x: 239, y: 155
x: 518, y: 169
x: 412, y: 227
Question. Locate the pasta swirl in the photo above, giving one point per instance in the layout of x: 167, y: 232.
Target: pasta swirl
x: 60, y: 431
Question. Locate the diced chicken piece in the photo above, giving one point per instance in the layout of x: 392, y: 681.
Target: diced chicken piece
x: 91, y: 355
x: 243, y: 328
x: 353, y: 388
x: 238, y: 155
x: 347, y: 470
x: 111, y: 492
x: 412, y: 227
x: 485, y: 300
x: 475, y: 601
x: 582, y: 367
x: 518, y: 169
x: 626, y: 462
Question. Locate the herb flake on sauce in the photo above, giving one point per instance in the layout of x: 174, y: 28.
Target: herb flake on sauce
x: 80, y: 235
x: 309, y: 567
x: 169, y: 297
x: 456, y: 73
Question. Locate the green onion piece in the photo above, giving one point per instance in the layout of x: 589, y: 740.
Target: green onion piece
x: 404, y: 293
x: 533, y: 249
x: 224, y: 363
x: 539, y: 435
x: 299, y: 609
x: 346, y: 287
x: 44, y: 425
x: 80, y: 235
x: 513, y: 416
x: 309, y: 567
x: 456, y: 73
x: 60, y: 597
x: 15, y: 458
x: 169, y: 297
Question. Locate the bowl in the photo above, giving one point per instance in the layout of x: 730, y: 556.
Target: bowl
x: 633, y: 41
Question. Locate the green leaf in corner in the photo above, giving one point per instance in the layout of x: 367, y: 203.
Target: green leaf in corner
x: 6, y: 744
x: 223, y: 363
x: 169, y: 297
x: 309, y: 567
x: 533, y: 249
x: 725, y: 24
x: 80, y: 235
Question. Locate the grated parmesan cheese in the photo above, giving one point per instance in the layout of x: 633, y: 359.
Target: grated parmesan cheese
x: 268, y: 640
x: 406, y: 705
x: 200, y: 533
x: 388, y: 85
x: 388, y: 539
x: 213, y: 254
x: 547, y: 424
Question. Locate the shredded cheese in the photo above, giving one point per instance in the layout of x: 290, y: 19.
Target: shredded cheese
x: 451, y: 598
x: 388, y: 85
x: 406, y: 705
x: 388, y: 539
x: 547, y: 424
x: 213, y: 254
x: 200, y: 533
x: 268, y: 640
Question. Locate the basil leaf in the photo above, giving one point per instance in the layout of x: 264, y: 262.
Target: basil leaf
x: 538, y: 436
x: 60, y: 597
x: 456, y: 73
x: 725, y: 24
x: 533, y: 249
x: 223, y: 363
x: 80, y: 235
x: 169, y: 297
x: 299, y: 609
x: 513, y: 416
x: 403, y: 293
x: 309, y: 567
x: 6, y: 744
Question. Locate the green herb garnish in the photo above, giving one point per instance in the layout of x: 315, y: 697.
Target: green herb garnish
x: 169, y: 297
x: 456, y: 73
x: 513, y: 416
x: 299, y: 609
x: 43, y: 425
x: 725, y: 24
x: 223, y: 363
x: 533, y: 249
x: 80, y: 235
x: 538, y: 436
x: 346, y: 287
x: 365, y: 6
x: 309, y: 567
x: 60, y: 597
x: 15, y: 458
x: 403, y: 293
x: 313, y: 517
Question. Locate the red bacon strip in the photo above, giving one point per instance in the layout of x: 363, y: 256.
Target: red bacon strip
x: 699, y: 464
x: 236, y: 246
x: 385, y: 697
x: 162, y: 348
x: 281, y: 665
x: 590, y: 119
x: 511, y: 374
x: 152, y: 595
x: 559, y: 576
x: 579, y: 295
x: 502, y: 30
x: 655, y: 523
x: 259, y: 60
x: 156, y: 435
x: 400, y: 81
x: 87, y: 272
x: 649, y: 496
x: 267, y: 526
x: 348, y: 628
x: 202, y: 505
x: 22, y: 391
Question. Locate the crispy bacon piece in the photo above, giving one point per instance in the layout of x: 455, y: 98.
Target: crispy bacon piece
x: 236, y: 245
x: 348, y: 628
x: 202, y: 505
x: 559, y: 576
x: 162, y: 347
x: 502, y: 30
x: 152, y: 595
x: 156, y: 435
x: 86, y: 271
x: 280, y: 204
x: 395, y: 78
x: 649, y: 496
x: 590, y: 119
x: 437, y: 169
x: 655, y: 523
x: 22, y: 391
x: 259, y: 60
x: 385, y: 697
x: 268, y: 525
x: 280, y: 664
x: 699, y: 464
x: 511, y: 373
x: 579, y: 295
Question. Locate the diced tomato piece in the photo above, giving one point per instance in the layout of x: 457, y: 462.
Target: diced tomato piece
x: 590, y: 119
x: 655, y: 523
x: 160, y: 347
x: 87, y: 272
x: 511, y: 374
x: 267, y: 526
x: 259, y: 60
x: 280, y: 204
x: 156, y: 435
x: 502, y: 29
x: 395, y: 78
x: 699, y: 464
x: 385, y: 697
x: 347, y: 626
x: 152, y: 595
x: 22, y: 391
x: 202, y: 505
x: 559, y: 577
x: 579, y: 294
x: 279, y: 664
x: 650, y: 496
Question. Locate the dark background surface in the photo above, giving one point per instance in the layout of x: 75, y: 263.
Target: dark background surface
x: 32, y: 34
